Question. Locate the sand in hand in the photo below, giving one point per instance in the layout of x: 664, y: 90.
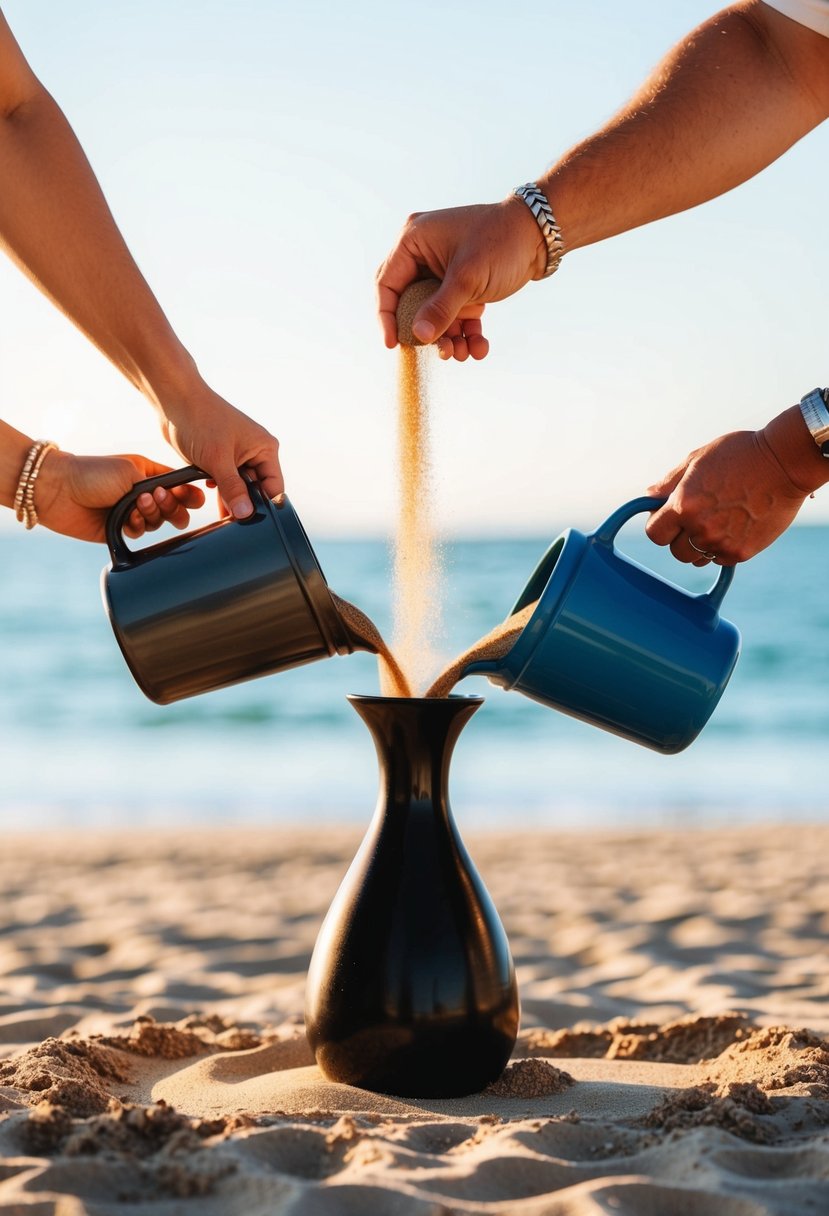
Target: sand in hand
x: 412, y: 299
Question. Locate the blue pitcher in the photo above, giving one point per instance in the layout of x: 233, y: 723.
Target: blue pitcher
x: 617, y: 645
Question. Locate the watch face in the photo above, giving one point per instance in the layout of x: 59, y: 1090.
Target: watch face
x: 815, y: 410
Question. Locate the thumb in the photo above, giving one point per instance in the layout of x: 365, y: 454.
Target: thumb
x: 234, y: 494
x: 667, y: 484
x: 440, y: 310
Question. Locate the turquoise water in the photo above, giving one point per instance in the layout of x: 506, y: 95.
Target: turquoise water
x: 81, y: 745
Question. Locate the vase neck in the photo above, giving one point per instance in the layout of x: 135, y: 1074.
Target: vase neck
x: 415, y: 738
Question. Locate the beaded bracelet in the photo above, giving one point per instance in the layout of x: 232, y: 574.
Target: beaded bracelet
x: 24, y: 498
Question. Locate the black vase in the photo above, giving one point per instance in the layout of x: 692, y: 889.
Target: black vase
x: 411, y: 988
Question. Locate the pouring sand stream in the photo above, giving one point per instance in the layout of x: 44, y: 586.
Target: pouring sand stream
x: 416, y: 555
x: 404, y: 669
x: 393, y: 680
x: 494, y: 645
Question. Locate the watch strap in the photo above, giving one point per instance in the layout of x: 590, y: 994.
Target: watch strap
x: 537, y: 202
x: 815, y: 410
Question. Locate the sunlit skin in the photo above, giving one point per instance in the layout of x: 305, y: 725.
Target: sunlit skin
x: 56, y: 226
x: 726, y: 101
x: 735, y: 515
x: 73, y: 494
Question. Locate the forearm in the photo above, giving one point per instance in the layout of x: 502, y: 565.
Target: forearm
x: 56, y: 226
x: 728, y: 100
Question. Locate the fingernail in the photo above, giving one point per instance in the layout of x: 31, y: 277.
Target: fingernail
x: 423, y: 331
x: 145, y: 500
x: 160, y: 494
x: 242, y: 508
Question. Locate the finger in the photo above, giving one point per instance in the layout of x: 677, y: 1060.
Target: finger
x: 683, y: 552
x: 135, y: 525
x: 694, y: 550
x: 667, y: 484
x: 189, y: 496
x: 441, y: 309
x: 663, y: 526
x: 445, y: 347
x: 471, y: 312
x: 233, y: 490
x: 387, y: 301
x: 399, y: 270
x: 172, y: 508
x: 234, y: 493
x: 221, y: 506
x: 268, y: 474
x: 461, y: 349
x: 149, y: 509
x: 475, y: 340
x: 696, y: 558
x: 454, y: 342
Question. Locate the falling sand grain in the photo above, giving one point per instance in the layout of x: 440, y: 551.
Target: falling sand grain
x: 416, y: 559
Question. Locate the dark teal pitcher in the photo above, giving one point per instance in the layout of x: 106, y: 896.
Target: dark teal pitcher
x: 231, y: 601
x: 617, y: 645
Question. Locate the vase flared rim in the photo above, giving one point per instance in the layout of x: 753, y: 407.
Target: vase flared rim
x: 454, y: 697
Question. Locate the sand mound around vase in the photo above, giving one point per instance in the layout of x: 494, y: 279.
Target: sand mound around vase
x: 217, y: 1117
x: 673, y: 1056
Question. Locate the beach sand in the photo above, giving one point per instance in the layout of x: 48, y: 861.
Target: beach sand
x: 671, y: 1060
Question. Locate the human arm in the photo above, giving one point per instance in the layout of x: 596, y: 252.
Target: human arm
x: 56, y: 226
x: 734, y: 496
x: 726, y: 101
x: 73, y: 494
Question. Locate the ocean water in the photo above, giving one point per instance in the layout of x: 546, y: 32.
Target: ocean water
x: 80, y: 744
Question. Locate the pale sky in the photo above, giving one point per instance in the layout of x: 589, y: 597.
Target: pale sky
x: 260, y: 157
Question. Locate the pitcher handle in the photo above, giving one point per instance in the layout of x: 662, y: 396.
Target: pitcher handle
x: 606, y: 534
x: 118, y: 548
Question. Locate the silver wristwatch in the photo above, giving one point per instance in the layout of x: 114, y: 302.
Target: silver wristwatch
x: 815, y: 410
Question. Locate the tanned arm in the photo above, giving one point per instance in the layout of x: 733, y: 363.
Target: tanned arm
x: 56, y: 226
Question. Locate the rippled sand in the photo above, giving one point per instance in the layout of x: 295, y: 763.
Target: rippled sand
x: 671, y: 1059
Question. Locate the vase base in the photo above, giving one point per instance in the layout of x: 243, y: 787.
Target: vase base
x: 439, y: 1064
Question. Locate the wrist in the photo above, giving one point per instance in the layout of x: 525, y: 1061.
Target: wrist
x: 788, y: 439
x: 14, y: 446
x: 54, y: 480
x: 528, y: 234
x: 171, y: 382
